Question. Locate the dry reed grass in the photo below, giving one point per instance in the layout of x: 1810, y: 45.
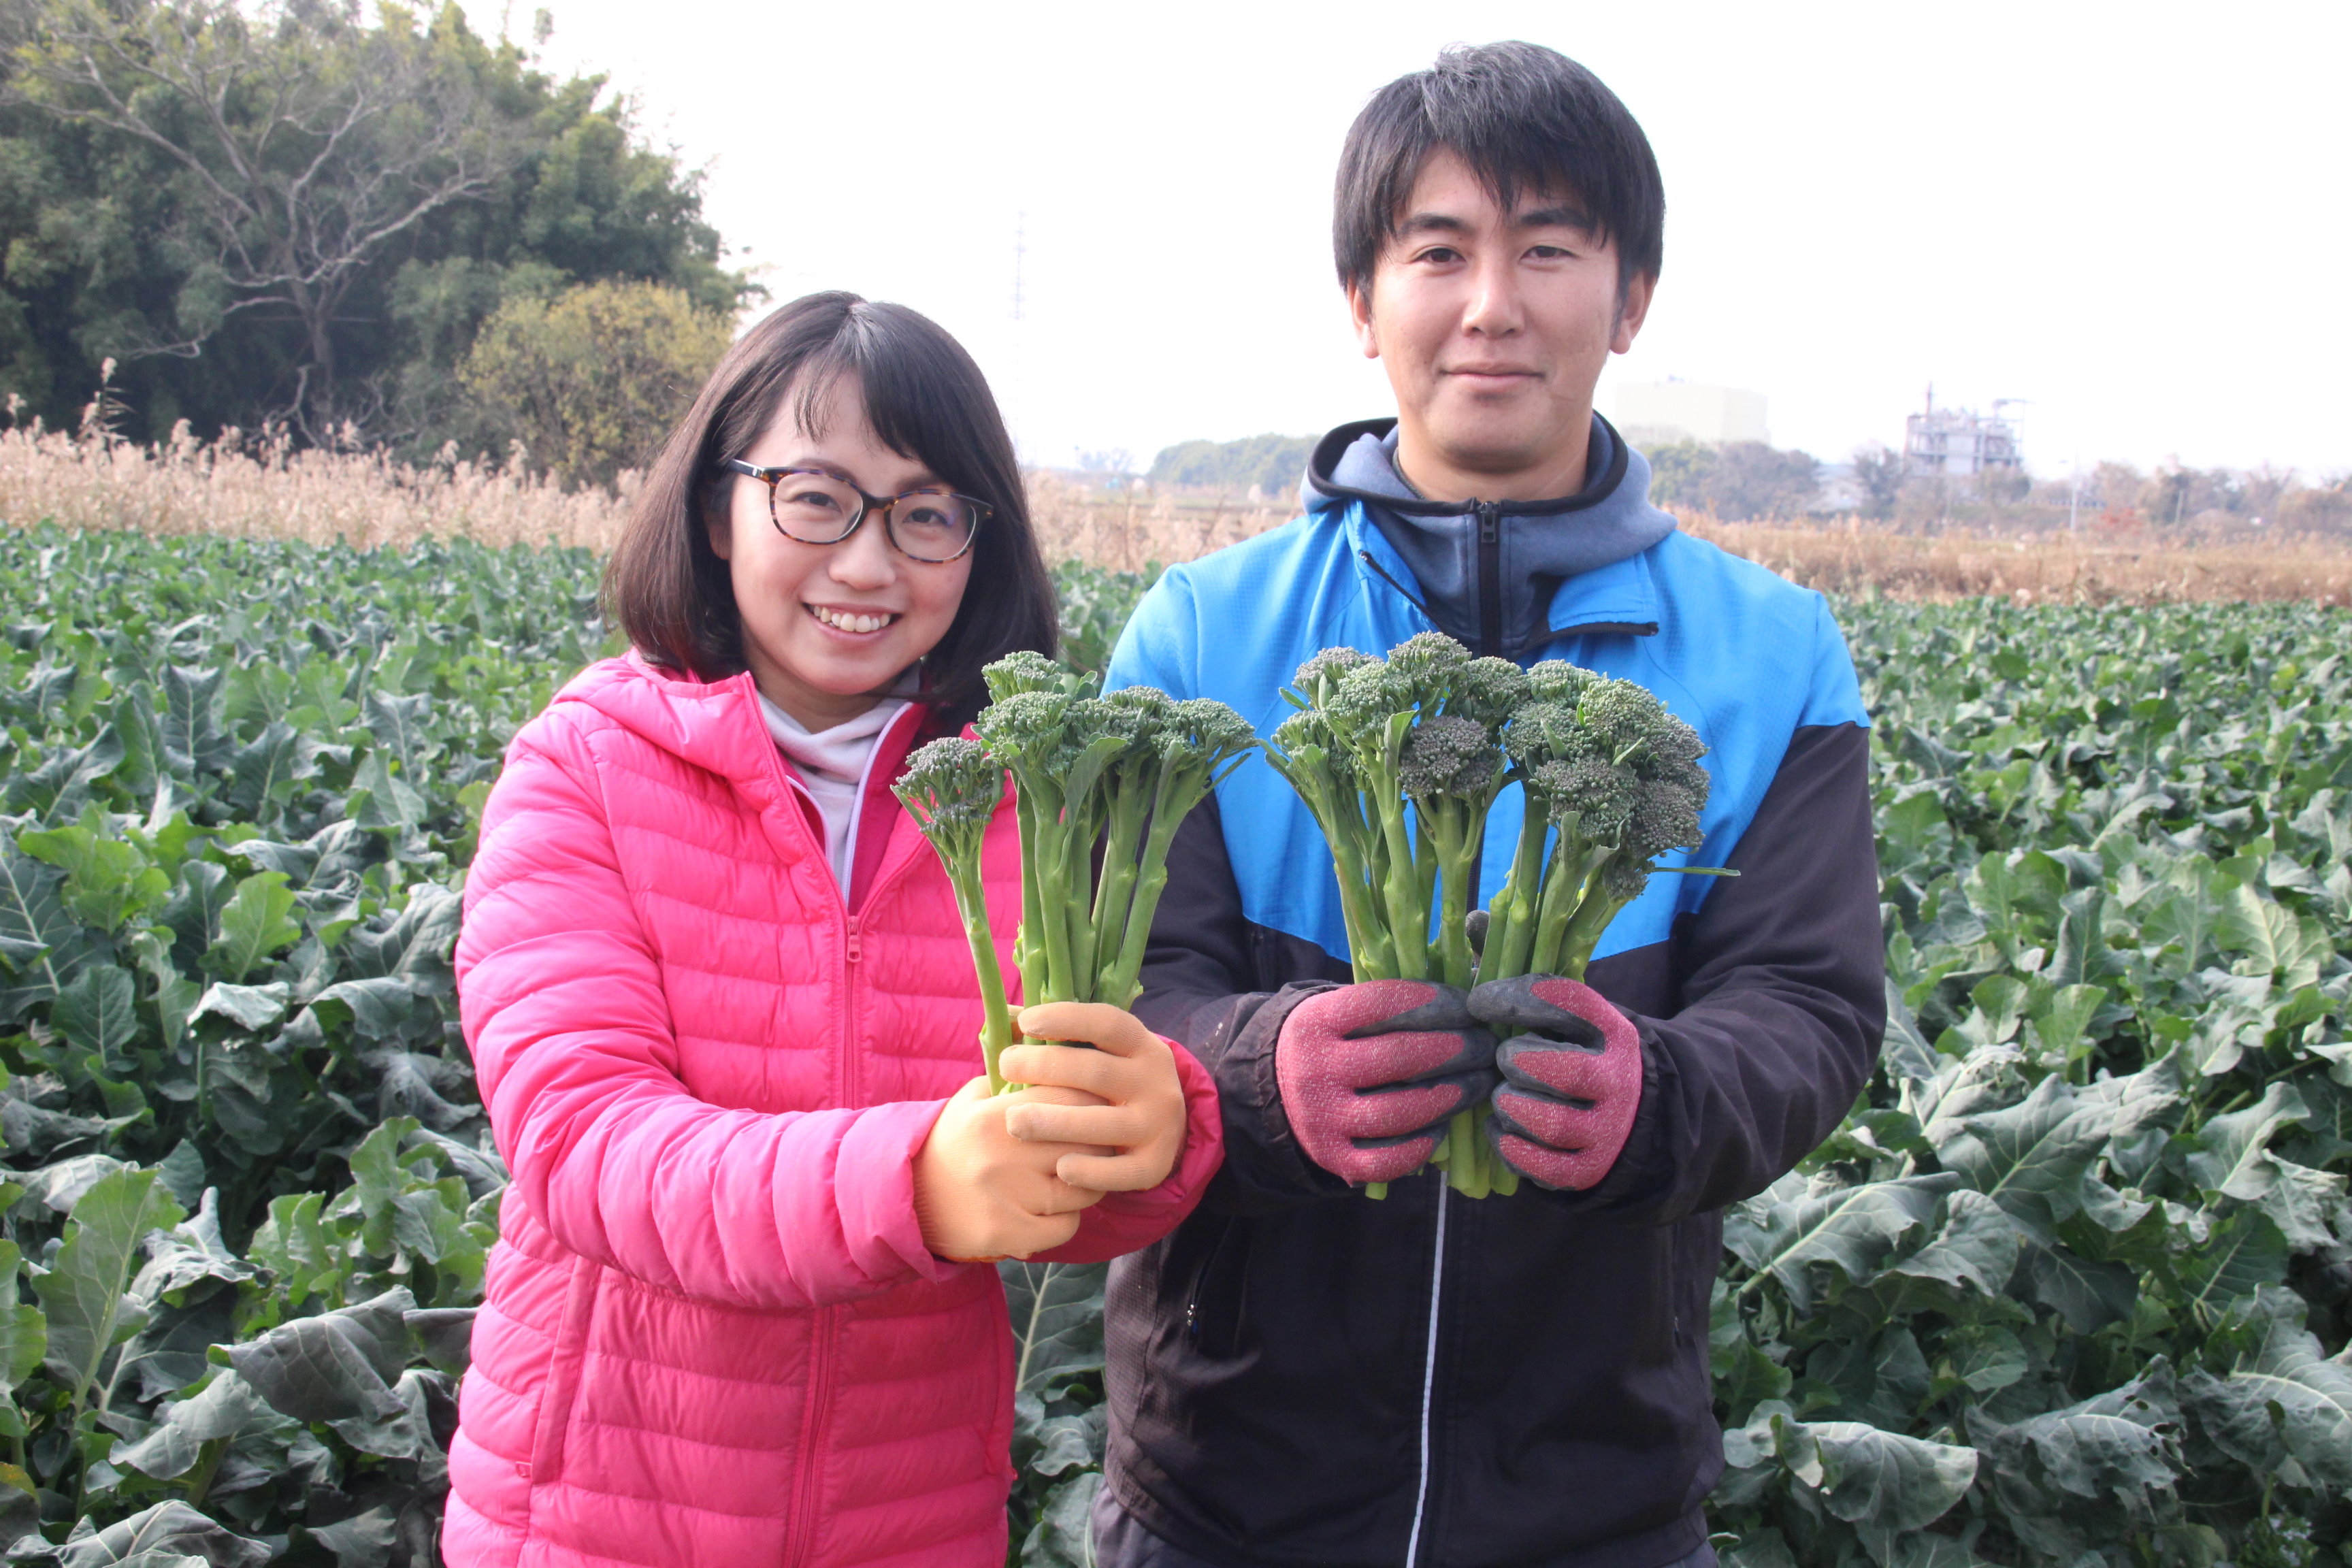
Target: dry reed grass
x: 2125, y: 569
x: 265, y: 490
x: 1126, y: 533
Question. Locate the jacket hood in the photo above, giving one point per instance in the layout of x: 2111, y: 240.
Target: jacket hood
x: 1487, y: 572
x: 713, y: 724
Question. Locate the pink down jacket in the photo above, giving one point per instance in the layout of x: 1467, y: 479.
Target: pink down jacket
x: 712, y: 1334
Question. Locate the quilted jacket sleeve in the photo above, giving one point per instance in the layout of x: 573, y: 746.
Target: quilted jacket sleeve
x: 1126, y: 1222
x: 562, y: 1005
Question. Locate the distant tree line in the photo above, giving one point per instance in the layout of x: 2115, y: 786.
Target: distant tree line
x: 1738, y: 481
x: 286, y: 215
x: 2114, y: 495
x: 1273, y: 465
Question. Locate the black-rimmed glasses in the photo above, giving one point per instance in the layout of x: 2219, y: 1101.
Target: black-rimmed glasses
x: 810, y: 506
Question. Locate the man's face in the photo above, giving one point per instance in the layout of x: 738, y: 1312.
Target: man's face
x: 1493, y: 327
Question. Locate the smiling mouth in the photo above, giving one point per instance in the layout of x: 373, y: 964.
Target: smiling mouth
x: 851, y: 620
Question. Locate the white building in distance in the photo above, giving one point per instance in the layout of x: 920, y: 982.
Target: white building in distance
x: 1959, y: 443
x: 1659, y: 413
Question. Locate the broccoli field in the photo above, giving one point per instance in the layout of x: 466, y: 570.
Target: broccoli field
x: 2071, y: 1286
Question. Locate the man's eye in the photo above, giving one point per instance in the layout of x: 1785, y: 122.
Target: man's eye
x: 1550, y: 253
x: 1441, y: 253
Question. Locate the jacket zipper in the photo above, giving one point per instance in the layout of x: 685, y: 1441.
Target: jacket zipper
x: 819, y: 1382
x: 1429, y: 1381
x: 1490, y: 578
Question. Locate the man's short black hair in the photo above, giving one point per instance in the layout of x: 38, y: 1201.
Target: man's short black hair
x: 1525, y: 118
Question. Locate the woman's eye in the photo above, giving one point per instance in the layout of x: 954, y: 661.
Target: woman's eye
x: 811, y: 497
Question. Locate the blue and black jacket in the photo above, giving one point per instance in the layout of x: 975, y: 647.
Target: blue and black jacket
x: 1299, y: 1376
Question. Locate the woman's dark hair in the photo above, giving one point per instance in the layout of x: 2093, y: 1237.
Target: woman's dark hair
x: 925, y: 398
x: 1527, y: 119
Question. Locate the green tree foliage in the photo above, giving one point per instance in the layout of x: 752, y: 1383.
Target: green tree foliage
x: 1739, y: 482
x: 1274, y: 464
x: 290, y: 214
x: 591, y: 381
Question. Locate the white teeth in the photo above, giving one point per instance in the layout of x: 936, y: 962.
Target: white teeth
x: 850, y: 622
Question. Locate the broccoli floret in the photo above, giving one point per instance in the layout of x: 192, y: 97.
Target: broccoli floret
x: 1546, y: 731
x: 1623, y: 878
x: 951, y: 785
x: 1318, y: 674
x: 1489, y: 691
x: 1628, y: 719
x: 1148, y: 702
x: 1209, y: 730
x: 1027, y: 729
x: 1428, y: 664
x: 1557, y: 681
x: 1367, y: 697
x: 1448, y: 756
x: 1029, y: 672
x: 1665, y: 817
x: 1588, y: 796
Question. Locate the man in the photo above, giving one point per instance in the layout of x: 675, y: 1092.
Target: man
x: 1299, y: 1376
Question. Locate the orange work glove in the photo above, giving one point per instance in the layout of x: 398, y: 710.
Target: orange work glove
x: 981, y: 1194
x: 1129, y: 1104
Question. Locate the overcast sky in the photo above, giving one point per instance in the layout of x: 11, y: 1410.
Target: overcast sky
x: 2132, y: 216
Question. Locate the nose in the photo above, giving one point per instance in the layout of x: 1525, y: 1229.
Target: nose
x: 863, y: 560
x: 1493, y: 309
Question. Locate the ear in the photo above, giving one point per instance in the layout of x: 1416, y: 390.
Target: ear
x: 1359, y: 311
x: 719, y: 528
x: 1633, y: 310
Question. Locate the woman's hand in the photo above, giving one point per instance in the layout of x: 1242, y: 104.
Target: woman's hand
x: 981, y: 1194
x: 1132, y: 1109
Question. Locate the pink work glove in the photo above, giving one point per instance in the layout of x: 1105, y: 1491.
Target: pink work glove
x: 1370, y: 1073
x: 1571, y: 1067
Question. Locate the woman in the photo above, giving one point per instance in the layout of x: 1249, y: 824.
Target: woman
x: 723, y: 1013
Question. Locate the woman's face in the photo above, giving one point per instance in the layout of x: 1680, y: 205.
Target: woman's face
x: 829, y: 628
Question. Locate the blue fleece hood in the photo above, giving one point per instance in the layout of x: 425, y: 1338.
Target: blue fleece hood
x: 1486, y: 572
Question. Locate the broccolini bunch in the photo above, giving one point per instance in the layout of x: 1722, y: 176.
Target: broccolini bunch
x: 1122, y: 770
x: 1425, y: 726
x: 1119, y: 772
x: 1611, y: 779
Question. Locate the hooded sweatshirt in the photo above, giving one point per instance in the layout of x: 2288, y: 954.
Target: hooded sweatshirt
x: 1486, y: 572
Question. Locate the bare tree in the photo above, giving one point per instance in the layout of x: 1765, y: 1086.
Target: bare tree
x: 303, y: 143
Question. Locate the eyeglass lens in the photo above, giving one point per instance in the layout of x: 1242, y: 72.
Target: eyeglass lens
x: 929, y: 525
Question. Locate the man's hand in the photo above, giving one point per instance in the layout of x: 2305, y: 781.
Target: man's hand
x: 981, y: 1193
x: 1123, y: 1100
x: 1571, y: 1067
x: 1370, y: 1072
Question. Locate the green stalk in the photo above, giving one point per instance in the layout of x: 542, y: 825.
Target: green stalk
x: 1563, y: 887
x: 1060, y: 976
x: 1511, y: 927
x: 1401, y: 892
x: 1123, y: 978
x: 1114, y: 895
x: 996, y: 1017
x: 1029, y: 943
